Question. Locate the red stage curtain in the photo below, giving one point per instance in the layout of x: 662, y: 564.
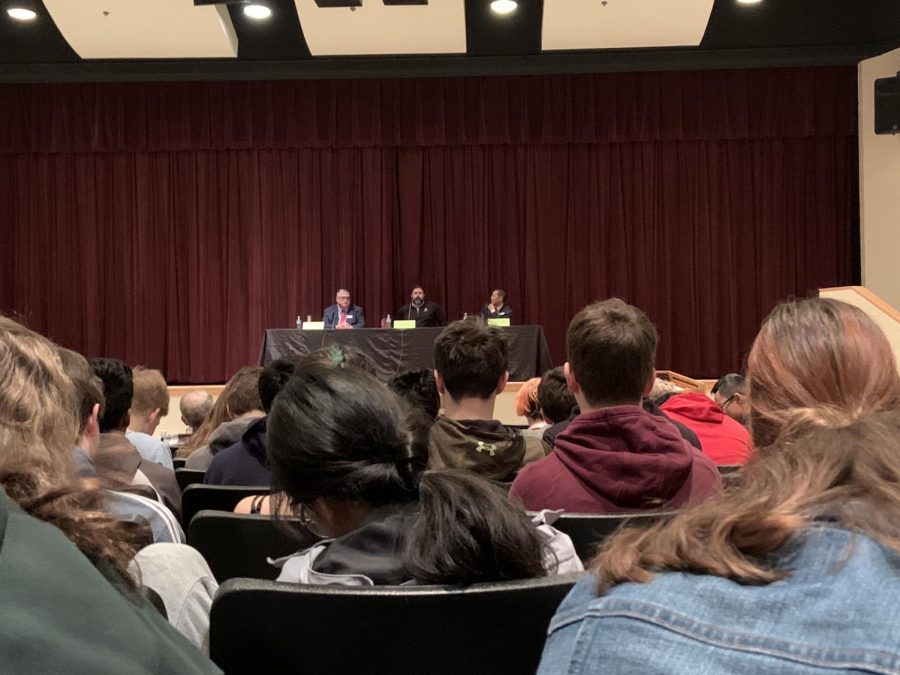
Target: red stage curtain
x: 169, y: 224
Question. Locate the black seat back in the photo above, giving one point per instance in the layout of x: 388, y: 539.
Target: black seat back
x: 237, y: 544
x: 268, y: 627
x: 196, y: 498
x: 186, y: 477
x: 178, y: 462
x: 587, y: 530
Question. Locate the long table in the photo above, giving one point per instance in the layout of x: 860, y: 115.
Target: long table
x: 396, y: 350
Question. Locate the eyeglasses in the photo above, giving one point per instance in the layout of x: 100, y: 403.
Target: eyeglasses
x: 728, y: 400
x: 307, y: 517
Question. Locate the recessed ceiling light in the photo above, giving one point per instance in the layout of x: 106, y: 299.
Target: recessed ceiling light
x: 504, y: 6
x: 257, y: 11
x: 22, y: 14
x: 749, y: 2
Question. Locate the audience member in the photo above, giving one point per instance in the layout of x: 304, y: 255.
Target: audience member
x: 344, y: 449
x: 195, y: 406
x: 470, y: 368
x: 663, y: 390
x: 89, y: 402
x: 56, y: 596
x: 332, y: 356
x: 341, y: 356
x: 117, y: 461
x: 419, y: 389
x: 730, y: 395
x: 149, y: 404
x: 244, y: 462
x: 528, y: 406
x: 725, y: 441
x: 557, y: 385
x: 424, y: 312
x: 497, y: 307
x: 240, y: 408
x: 796, y: 568
x: 556, y: 401
x: 615, y: 456
x: 342, y: 314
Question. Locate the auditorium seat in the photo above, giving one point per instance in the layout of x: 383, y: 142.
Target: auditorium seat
x: 178, y: 462
x: 269, y: 627
x: 237, y: 544
x: 186, y: 477
x: 589, y: 529
x: 196, y: 498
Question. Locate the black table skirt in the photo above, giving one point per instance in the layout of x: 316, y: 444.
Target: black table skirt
x: 397, y: 350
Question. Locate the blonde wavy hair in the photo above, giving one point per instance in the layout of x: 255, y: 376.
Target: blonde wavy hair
x: 39, y: 427
x: 824, y: 398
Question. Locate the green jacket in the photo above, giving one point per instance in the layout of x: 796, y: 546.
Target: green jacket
x: 60, y: 614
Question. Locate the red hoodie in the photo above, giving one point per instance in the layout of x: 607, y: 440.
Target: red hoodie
x: 617, y: 460
x: 724, y: 439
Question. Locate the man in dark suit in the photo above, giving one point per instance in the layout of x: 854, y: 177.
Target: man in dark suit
x: 342, y: 314
x: 497, y: 307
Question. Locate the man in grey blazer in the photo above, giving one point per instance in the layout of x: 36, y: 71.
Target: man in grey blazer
x: 342, y: 314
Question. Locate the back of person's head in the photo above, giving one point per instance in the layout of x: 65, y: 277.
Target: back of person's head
x: 527, y: 403
x: 818, y: 355
x: 555, y: 399
x: 243, y: 391
x: 339, y: 434
x: 728, y: 385
x: 195, y: 406
x: 273, y: 378
x: 150, y: 391
x: 469, y: 532
x: 118, y: 390
x: 341, y: 356
x: 471, y: 359
x: 39, y: 425
x: 418, y: 388
x: 88, y: 387
x: 611, y: 348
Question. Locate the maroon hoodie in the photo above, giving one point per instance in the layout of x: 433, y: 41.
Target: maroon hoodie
x: 617, y: 460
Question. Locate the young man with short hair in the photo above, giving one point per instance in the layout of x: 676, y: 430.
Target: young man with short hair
x: 615, y: 457
x: 149, y: 404
x: 471, y: 369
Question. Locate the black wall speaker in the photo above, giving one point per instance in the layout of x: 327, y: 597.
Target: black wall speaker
x: 887, y: 105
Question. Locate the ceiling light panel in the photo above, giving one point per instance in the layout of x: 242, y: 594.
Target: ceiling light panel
x: 144, y: 29
x: 375, y: 28
x: 623, y: 24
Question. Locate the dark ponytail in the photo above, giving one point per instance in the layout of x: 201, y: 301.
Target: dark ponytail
x: 339, y: 433
x: 468, y: 531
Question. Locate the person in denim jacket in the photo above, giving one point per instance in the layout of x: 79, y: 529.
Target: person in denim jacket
x: 797, y: 568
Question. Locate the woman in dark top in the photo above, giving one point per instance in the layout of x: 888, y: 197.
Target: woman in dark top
x: 349, y: 455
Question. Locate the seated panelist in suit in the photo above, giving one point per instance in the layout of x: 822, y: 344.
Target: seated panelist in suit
x: 497, y: 307
x: 342, y: 314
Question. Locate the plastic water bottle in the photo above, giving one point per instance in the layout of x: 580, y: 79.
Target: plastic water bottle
x: 299, y: 323
x: 387, y: 321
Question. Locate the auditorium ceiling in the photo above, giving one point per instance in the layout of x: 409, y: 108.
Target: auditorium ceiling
x: 94, y: 40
